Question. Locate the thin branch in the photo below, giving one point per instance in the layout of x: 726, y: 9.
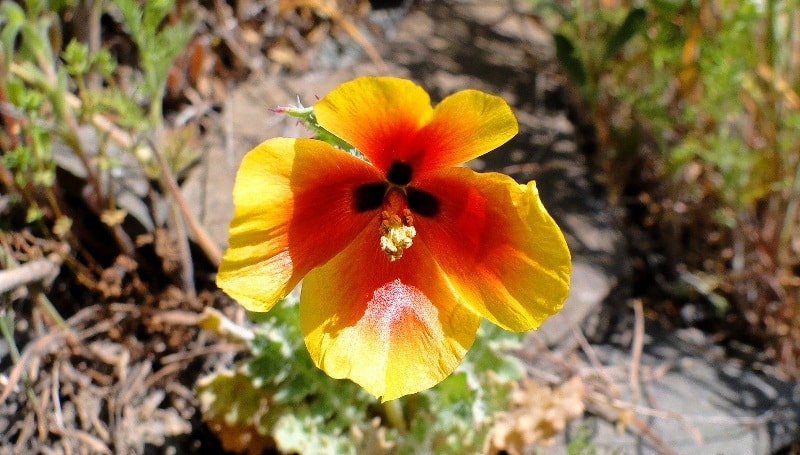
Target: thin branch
x: 187, y: 265
x: 206, y: 243
x: 610, y: 410
x: 33, y: 350
x: 35, y: 271
x: 636, y: 350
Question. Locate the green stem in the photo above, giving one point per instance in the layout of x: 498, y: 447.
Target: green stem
x: 777, y: 164
x: 306, y: 114
x: 6, y: 327
x: 394, y: 414
x: 789, y: 220
x: 50, y: 310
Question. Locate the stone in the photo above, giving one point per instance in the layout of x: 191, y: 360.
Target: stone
x: 700, y: 401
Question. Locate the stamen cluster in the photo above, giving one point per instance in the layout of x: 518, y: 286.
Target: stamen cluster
x: 397, y: 233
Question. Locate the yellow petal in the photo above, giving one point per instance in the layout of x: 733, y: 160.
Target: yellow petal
x: 498, y: 246
x: 393, y: 327
x: 390, y: 120
x: 464, y: 125
x: 377, y: 115
x: 294, y: 210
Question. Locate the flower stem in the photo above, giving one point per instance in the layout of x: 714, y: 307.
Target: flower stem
x: 394, y: 414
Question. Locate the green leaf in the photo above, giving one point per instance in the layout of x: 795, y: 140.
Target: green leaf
x: 269, y: 366
x: 634, y: 23
x: 261, y: 317
x: 20, y: 96
x: 131, y: 16
x: 129, y: 113
x: 76, y: 57
x: 232, y: 397
x: 104, y: 62
x: 11, y: 13
x: 17, y: 159
x: 34, y: 7
x: 301, y: 434
x: 33, y: 40
x: 668, y: 6
x: 566, y: 15
x: 581, y: 443
x: 154, y: 13
x: 12, y: 17
x: 33, y: 214
x: 44, y: 177
x: 566, y: 54
x: 57, y: 97
x: 454, y: 390
x: 14, y: 90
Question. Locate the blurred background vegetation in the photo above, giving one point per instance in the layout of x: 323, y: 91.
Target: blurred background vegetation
x: 693, y: 107
x: 696, y: 113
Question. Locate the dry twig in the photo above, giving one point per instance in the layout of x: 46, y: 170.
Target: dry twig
x: 32, y: 352
x: 35, y: 271
x: 636, y: 350
x: 206, y: 243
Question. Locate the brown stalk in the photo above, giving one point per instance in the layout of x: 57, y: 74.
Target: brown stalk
x: 37, y: 270
x: 206, y: 243
x: 598, y: 404
x: 38, y: 348
x: 636, y: 350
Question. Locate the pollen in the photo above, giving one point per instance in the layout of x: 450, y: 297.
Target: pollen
x: 397, y: 233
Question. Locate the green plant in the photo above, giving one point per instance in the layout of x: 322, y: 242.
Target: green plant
x: 28, y: 144
x: 581, y: 442
x: 158, y: 45
x: 277, y: 396
x: 49, y: 127
x: 68, y: 140
x: 696, y: 112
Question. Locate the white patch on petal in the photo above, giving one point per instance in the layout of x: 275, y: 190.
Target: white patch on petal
x: 394, y: 303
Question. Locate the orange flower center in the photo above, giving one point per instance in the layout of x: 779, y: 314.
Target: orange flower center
x: 399, y: 203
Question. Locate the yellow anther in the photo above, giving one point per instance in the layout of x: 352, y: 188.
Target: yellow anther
x: 397, y: 233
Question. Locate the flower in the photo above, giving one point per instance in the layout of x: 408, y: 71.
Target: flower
x: 402, y: 256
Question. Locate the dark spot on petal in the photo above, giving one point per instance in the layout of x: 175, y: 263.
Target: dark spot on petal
x: 369, y: 196
x: 422, y: 202
x: 399, y: 173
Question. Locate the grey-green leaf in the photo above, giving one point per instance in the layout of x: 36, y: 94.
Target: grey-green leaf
x: 634, y: 23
